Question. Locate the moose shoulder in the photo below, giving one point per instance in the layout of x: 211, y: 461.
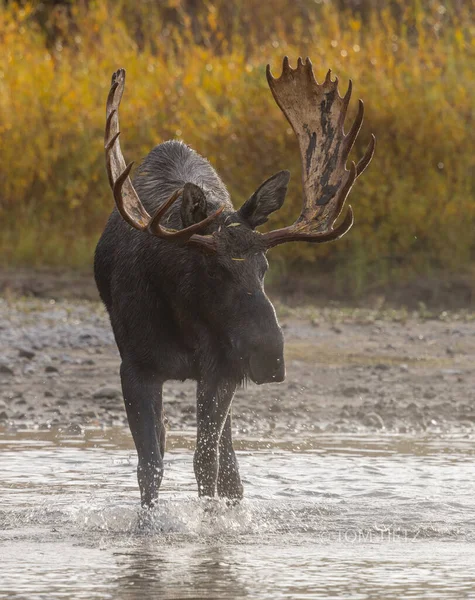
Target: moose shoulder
x: 181, y: 272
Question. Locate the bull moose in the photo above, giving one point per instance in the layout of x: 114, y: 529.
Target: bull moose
x: 181, y: 272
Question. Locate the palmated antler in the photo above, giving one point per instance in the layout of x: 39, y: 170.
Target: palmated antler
x: 317, y: 115
x: 126, y: 198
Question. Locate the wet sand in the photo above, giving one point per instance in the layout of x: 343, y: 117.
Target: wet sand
x: 348, y: 371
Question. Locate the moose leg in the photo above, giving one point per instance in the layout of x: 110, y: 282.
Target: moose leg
x: 143, y: 403
x: 213, y: 404
x: 161, y: 431
x: 229, y: 481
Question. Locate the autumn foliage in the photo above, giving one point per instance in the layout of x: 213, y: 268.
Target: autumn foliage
x: 199, y: 75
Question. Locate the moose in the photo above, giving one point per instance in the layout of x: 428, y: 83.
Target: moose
x: 181, y: 272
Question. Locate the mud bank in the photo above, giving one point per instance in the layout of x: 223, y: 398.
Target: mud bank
x: 348, y: 371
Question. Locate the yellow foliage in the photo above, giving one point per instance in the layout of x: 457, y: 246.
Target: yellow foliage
x: 201, y: 78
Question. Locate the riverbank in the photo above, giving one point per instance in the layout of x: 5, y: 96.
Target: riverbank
x: 348, y: 371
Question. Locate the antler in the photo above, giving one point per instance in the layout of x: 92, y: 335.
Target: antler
x: 317, y: 115
x: 126, y: 198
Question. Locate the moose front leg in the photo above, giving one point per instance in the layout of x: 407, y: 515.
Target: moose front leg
x: 143, y: 403
x: 229, y: 481
x: 213, y: 405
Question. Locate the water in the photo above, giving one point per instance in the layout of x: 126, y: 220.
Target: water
x: 326, y: 517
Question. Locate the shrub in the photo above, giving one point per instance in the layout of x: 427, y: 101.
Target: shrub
x: 200, y: 76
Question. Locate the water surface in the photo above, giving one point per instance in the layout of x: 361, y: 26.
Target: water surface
x: 323, y: 517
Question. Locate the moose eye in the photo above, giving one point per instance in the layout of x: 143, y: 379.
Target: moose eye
x: 216, y: 272
x: 213, y: 273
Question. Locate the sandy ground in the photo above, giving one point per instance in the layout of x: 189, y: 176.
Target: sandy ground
x: 348, y: 371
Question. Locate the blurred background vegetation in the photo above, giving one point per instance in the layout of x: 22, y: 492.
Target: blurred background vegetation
x: 196, y: 71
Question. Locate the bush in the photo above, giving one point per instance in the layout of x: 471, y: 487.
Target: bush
x: 196, y: 71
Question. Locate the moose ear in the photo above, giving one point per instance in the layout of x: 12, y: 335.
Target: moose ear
x: 194, y: 207
x: 266, y: 199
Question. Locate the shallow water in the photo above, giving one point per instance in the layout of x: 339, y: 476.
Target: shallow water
x: 325, y: 517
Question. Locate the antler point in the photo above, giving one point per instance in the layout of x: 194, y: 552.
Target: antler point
x: 269, y: 75
x: 286, y: 66
x: 111, y: 142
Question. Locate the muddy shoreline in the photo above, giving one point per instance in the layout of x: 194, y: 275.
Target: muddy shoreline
x: 348, y: 371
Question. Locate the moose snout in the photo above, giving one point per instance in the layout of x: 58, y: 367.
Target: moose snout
x: 266, y: 359
x: 265, y: 368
